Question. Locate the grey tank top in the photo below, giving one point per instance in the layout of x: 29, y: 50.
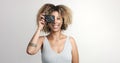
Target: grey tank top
x: 50, y: 56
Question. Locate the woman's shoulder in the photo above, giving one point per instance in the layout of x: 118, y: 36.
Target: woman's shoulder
x: 72, y: 40
x: 42, y: 38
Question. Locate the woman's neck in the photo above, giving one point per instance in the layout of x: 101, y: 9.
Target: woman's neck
x: 55, y: 35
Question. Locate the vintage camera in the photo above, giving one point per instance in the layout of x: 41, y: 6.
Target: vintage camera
x: 49, y: 18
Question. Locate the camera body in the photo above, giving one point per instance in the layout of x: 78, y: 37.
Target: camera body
x: 49, y: 18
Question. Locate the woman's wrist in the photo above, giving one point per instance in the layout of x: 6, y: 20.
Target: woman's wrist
x: 39, y: 28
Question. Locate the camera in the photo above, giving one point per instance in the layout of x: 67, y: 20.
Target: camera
x: 49, y: 18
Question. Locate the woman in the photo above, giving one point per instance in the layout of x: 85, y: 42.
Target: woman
x: 55, y: 47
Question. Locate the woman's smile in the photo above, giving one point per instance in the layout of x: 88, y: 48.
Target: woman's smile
x: 56, y: 26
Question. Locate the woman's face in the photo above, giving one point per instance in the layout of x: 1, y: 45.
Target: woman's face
x: 56, y: 25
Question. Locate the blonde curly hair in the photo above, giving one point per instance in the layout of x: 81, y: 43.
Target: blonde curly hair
x: 63, y: 11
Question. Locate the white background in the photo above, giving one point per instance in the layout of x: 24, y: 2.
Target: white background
x: 95, y: 27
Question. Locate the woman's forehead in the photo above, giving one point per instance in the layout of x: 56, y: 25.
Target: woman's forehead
x: 56, y: 13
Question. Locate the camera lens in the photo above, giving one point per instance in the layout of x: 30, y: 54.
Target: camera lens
x: 49, y: 18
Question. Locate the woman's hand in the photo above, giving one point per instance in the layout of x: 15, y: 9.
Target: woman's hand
x: 41, y: 22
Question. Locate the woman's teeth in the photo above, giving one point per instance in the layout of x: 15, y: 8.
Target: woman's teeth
x: 55, y: 26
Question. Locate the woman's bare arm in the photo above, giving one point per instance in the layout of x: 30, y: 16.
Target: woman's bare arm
x: 75, y: 55
x: 35, y: 43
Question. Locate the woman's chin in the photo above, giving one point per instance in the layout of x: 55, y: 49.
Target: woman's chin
x: 55, y: 30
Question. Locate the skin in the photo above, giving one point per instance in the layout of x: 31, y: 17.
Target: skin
x: 56, y: 38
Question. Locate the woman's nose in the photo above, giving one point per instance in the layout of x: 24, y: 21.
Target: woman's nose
x: 55, y: 21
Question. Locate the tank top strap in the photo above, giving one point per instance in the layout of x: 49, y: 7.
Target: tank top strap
x: 46, y: 42
x: 68, y: 42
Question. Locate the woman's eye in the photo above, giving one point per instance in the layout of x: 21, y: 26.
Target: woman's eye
x: 58, y: 18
